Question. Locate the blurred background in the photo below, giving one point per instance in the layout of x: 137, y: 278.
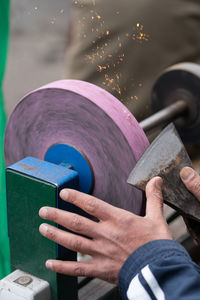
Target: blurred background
x: 38, y: 39
x: 122, y: 46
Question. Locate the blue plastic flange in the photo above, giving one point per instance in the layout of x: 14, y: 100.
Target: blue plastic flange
x: 67, y: 155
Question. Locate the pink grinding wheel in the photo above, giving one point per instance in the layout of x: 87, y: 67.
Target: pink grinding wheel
x: 93, y: 121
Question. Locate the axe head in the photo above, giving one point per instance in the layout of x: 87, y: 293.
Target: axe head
x: 165, y: 157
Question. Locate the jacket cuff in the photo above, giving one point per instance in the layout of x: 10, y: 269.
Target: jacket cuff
x: 145, y: 255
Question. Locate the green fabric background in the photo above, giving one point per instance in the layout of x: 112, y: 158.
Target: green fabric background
x: 4, y: 244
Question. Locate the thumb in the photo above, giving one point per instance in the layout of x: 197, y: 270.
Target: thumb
x: 154, y: 206
x: 191, y: 179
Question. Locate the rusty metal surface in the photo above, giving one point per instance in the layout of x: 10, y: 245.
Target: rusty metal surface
x: 165, y: 157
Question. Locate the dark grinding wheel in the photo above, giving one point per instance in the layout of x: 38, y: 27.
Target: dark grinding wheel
x: 181, y: 82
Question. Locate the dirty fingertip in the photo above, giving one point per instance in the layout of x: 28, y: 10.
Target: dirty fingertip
x: 49, y: 264
x: 186, y: 174
x: 64, y: 194
x: 158, y: 182
x: 43, y: 212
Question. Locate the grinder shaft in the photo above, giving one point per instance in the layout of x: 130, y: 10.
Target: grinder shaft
x: 166, y: 115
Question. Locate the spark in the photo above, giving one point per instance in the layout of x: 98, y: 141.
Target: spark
x: 109, y: 80
x: 121, y: 58
x: 36, y: 7
x: 105, y: 59
x: 134, y: 98
x: 90, y: 58
x: 117, y: 77
x: 113, y: 83
x: 101, y: 68
x: 138, y: 33
x: 117, y: 89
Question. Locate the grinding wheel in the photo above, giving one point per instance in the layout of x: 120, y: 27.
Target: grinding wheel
x: 180, y: 82
x: 90, y: 119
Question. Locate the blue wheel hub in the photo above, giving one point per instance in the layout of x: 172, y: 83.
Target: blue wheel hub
x: 68, y: 156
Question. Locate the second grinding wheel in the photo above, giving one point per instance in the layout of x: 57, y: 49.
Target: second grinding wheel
x: 91, y: 120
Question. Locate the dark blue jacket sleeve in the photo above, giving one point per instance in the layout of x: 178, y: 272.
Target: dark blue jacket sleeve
x: 162, y: 270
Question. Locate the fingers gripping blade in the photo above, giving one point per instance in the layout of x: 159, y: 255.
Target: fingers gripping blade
x: 165, y: 157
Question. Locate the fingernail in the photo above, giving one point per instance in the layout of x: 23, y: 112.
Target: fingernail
x: 43, y: 212
x: 43, y: 229
x: 49, y: 264
x: 186, y: 174
x: 159, y: 183
x: 64, y: 194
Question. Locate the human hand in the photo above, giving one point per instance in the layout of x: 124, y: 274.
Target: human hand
x: 191, y: 179
x: 117, y: 234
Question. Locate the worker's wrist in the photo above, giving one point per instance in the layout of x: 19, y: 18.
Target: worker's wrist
x: 145, y: 255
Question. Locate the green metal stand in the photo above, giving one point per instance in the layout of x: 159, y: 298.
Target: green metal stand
x: 31, y: 184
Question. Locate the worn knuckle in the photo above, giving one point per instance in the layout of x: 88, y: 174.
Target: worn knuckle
x: 196, y: 186
x: 76, y: 222
x: 76, y: 245
x: 128, y: 219
x: 157, y: 195
x: 51, y: 234
x: 119, y: 216
x: 115, y: 236
x: 79, y: 271
x: 91, y: 205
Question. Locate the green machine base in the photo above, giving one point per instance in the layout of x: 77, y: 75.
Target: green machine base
x: 31, y: 184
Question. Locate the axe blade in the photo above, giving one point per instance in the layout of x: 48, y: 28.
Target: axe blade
x: 165, y: 157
